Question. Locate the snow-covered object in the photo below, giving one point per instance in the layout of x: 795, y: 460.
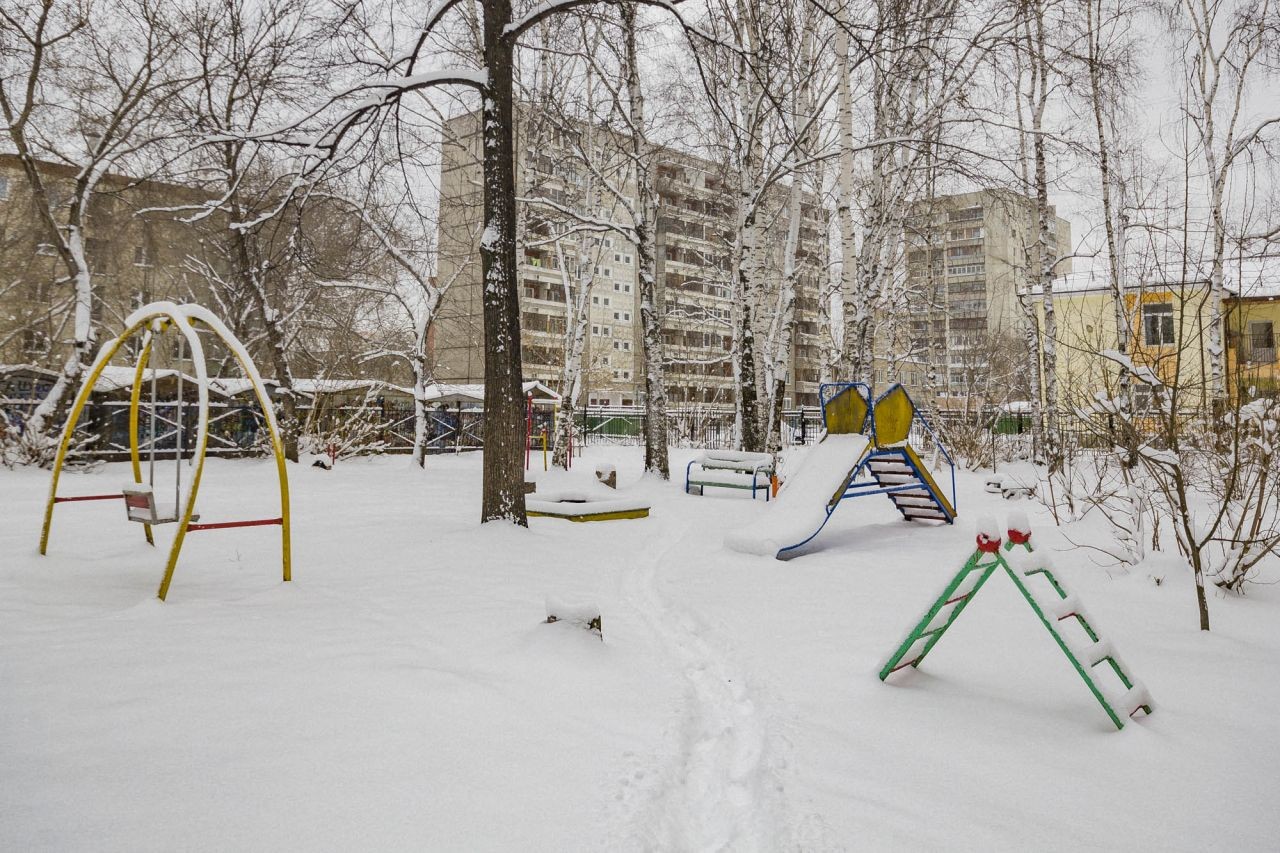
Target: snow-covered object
x: 584, y: 614
x: 736, y: 459
x: 800, y: 509
x: 1023, y: 561
x: 575, y: 503
x: 990, y: 528
x: 606, y: 468
x: 1019, y: 522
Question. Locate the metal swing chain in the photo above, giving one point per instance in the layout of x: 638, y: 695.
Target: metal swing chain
x: 151, y: 455
x: 177, y: 479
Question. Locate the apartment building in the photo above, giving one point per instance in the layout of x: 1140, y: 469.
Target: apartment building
x: 693, y: 239
x: 134, y: 259
x: 966, y: 257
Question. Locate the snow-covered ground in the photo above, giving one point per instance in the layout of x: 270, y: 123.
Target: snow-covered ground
x: 404, y: 693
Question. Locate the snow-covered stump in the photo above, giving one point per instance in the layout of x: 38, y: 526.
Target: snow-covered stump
x: 583, y: 615
x: 607, y: 474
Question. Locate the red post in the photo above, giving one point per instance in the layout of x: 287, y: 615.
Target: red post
x: 528, y: 429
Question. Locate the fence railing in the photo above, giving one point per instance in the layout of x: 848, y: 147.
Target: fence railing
x: 709, y: 428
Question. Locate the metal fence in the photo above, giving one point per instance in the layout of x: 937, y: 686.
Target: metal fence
x: 686, y: 427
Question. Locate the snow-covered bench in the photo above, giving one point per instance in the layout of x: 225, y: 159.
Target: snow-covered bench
x: 1018, y: 480
x: 730, y: 469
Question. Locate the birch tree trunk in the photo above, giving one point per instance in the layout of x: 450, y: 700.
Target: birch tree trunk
x: 1047, y: 244
x: 845, y: 192
x: 577, y: 291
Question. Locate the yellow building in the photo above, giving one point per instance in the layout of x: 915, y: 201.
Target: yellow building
x: 1168, y: 326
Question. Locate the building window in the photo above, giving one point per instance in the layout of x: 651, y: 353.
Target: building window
x: 595, y: 300
x: 1262, y: 342
x: 34, y: 341
x: 1157, y: 324
x: 626, y: 288
x: 98, y: 254
x: 595, y: 330
x: 4, y: 188
x: 141, y: 258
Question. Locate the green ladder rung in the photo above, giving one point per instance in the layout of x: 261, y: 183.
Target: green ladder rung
x: 948, y: 598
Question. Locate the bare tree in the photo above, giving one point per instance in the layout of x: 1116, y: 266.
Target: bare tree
x: 1226, y: 50
x: 82, y: 94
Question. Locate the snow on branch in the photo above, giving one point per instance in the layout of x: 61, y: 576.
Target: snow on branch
x: 548, y: 8
x: 1144, y: 374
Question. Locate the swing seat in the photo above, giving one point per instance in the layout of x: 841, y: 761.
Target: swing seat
x: 140, y: 504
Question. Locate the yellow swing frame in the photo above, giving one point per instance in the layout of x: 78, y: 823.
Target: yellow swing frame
x: 153, y: 319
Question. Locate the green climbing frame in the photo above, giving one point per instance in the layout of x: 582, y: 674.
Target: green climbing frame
x: 1055, y: 614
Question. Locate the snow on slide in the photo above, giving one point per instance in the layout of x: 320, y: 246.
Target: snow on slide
x: 800, y: 509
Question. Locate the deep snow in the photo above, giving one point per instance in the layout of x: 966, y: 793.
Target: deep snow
x: 404, y: 692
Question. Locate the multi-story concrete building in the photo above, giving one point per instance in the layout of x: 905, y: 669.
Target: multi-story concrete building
x: 134, y: 259
x: 967, y: 256
x: 693, y: 237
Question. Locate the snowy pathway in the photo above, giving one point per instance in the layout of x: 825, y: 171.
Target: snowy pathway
x: 719, y: 793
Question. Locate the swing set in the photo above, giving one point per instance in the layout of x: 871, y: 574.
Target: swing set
x: 141, y: 502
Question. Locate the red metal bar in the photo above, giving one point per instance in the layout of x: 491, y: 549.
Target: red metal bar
x: 222, y: 525
x: 88, y: 498
x: 528, y: 429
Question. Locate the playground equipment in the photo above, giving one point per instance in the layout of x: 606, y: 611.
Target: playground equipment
x: 141, y: 502
x: 865, y: 451
x: 1062, y: 614
x: 588, y: 502
x: 730, y: 469
x: 575, y: 497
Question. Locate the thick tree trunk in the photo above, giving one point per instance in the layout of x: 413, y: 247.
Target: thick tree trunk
x: 503, y: 495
